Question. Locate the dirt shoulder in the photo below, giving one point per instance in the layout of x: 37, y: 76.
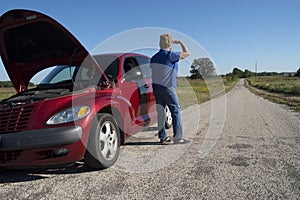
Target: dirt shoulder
x: 290, y: 100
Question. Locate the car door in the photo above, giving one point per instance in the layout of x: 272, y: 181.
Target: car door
x: 135, y: 89
x: 144, y: 64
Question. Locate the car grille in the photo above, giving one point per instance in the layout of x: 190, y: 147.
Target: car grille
x: 8, y: 156
x: 14, y: 119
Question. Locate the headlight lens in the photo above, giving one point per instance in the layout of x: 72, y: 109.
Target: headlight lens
x: 72, y: 114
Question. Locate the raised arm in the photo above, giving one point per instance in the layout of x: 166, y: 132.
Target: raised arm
x: 185, y: 52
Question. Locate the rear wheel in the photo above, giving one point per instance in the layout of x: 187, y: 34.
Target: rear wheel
x: 168, y: 120
x: 104, y: 142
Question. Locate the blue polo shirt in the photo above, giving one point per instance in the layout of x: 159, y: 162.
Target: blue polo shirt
x: 164, y: 65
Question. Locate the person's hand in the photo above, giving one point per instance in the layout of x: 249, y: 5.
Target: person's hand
x: 185, y: 52
x: 177, y: 42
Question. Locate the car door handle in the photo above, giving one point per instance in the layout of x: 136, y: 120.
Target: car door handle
x: 146, y: 86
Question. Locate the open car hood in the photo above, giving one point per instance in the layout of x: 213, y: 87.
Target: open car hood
x: 31, y: 41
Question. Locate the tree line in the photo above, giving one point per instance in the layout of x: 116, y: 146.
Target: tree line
x: 202, y: 68
x: 8, y: 84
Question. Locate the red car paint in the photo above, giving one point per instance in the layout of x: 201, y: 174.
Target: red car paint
x: 31, y: 42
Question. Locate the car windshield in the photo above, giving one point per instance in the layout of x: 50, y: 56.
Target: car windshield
x: 61, y: 80
x: 70, y: 77
x: 59, y: 74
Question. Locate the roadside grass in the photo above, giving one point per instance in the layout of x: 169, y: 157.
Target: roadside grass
x: 6, y: 92
x: 277, y: 84
x: 198, y: 91
x: 279, y: 89
x: 189, y: 92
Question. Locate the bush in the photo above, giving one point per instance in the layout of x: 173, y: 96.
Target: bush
x: 8, y: 84
x: 5, y: 84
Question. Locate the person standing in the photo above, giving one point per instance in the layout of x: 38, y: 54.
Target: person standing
x: 164, y: 65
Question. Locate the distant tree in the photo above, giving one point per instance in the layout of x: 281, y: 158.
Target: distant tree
x: 195, y: 74
x: 237, y: 72
x: 269, y: 74
x: 5, y: 84
x: 230, y: 77
x: 202, y: 68
x: 247, y: 74
x: 298, y: 72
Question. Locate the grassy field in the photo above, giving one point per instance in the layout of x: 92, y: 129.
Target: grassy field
x: 279, y: 89
x: 277, y: 84
x: 198, y: 91
x: 189, y: 91
x: 6, y: 92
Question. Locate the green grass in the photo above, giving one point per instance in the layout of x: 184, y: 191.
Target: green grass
x: 198, y: 91
x: 6, y: 92
x: 277, y: 84
x: 279, y: 89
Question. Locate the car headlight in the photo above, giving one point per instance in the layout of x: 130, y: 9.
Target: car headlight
x: 72, y: 114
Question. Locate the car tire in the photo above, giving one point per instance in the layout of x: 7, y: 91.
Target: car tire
x: 168, y: 120
x: 104, y: 142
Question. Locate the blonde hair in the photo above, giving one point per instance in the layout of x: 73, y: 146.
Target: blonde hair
x: 166, y: 41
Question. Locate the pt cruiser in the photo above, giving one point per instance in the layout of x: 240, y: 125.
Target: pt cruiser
x: 84, y: 108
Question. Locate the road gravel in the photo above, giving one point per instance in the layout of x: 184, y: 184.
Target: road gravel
x: 242, y: 147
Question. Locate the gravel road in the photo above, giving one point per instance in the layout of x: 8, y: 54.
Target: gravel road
x: 242, y: 147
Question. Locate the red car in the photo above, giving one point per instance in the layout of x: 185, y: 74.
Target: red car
x: 83, y: 109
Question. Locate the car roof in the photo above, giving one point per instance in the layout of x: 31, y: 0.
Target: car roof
x: 127, y: 54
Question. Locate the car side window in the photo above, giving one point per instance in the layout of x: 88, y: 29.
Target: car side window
x: 131, y: 69
x: 144, y: 64
x: 85, y: 74
x: 109, y: 64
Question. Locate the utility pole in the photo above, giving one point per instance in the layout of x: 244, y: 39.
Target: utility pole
x: 256, y: 71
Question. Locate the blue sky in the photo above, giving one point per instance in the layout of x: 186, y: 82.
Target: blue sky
x: 234, y: 33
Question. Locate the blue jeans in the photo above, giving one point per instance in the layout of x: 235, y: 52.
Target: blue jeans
x: 167, y: 96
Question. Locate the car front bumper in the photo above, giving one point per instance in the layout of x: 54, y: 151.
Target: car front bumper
x: 40, y: 138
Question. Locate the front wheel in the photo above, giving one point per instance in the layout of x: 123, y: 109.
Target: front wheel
x: 104, y: 142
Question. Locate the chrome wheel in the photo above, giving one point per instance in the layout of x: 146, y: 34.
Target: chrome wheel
x: 104, y: 142
x: 168, y: 120
x: 108, y: 140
